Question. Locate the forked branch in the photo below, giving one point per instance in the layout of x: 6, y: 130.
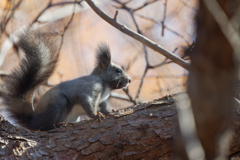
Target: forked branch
x: 156, y: 47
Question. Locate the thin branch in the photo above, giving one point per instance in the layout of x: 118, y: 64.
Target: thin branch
x: 131, y: 62
x: 147, y: 18
x: 127, y: 2
x: 115, y: 16
x: 139, y: 37
x: 144, y: 5
x: 66, y: 27
x: 5, y: 20
x: 164, y: 76
x: 130, y: 97
x: 164, y: 17
x: 126, y: 97
x: 169, y: 29
x: 120, y: 96
x: 141, y: 83
x: 185, y: 4
x: 165, y: 61
x: 54, y: 5
x: 165, y: 27
x: 140, y: 32
x: 48, y: 6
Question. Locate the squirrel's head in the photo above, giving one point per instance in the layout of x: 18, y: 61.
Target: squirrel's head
x: 111, y: 73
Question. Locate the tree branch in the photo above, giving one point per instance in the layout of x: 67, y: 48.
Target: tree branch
x: 132, y: 133
x: 164, y: 17
x: 6, y: 18
x: 139, y: 37
x: 141, y: 131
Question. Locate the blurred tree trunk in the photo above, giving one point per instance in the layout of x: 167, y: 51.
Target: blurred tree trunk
x: 212, y: 79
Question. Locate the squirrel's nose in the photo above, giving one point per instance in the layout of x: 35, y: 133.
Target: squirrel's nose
x: 129, y: 80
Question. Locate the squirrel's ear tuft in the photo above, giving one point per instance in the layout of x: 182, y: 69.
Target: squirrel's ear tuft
x: 103, y: 56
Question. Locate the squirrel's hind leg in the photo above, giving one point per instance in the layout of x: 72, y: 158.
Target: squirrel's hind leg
x: 55, y: 112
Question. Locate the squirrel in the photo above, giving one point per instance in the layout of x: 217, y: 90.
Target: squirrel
x: 66, y: 101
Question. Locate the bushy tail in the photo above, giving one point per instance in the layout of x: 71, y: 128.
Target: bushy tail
x: 41, y: 56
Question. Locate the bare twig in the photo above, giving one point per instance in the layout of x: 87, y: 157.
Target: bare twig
x: 171, y: 30
x: 6, y: 19
x: 165, y: 61
x: 54, y: 5
x: 164, y: 17
x: 120, y: 96
x: 144, y: 5
x: 115, y: 16
x: 165, y: 27
x: 130, y: 97
x: 141, y: 83
x: 185, y: 4
x: 163, y: 76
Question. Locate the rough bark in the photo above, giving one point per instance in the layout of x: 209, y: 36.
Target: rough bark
x: 142, y: 131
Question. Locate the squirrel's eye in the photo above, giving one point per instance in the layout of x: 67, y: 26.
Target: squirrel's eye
x: 118, y: 70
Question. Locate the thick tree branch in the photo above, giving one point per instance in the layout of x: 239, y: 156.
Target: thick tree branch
x: 142, y: 131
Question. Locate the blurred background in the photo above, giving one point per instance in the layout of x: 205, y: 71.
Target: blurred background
x: 170, y: 23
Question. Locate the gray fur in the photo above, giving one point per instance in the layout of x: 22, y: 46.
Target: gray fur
x: 84, y: 95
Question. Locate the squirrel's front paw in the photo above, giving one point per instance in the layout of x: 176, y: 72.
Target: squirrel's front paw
x: 100, y: 116
x: 61, y: 124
